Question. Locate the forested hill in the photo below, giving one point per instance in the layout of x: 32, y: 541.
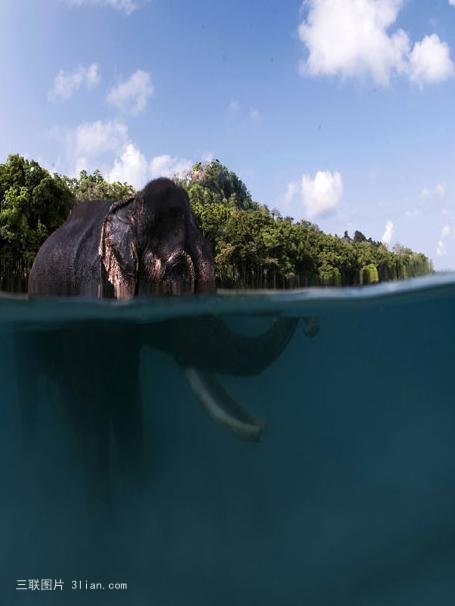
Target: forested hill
x: 254, y: 247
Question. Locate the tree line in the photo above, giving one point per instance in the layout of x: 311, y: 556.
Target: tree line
x: 253, y: 246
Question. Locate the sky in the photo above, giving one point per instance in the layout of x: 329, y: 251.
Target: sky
x: 336, y: 111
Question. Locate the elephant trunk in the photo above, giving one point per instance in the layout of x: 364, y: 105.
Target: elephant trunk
x: 208, y: 344
x: 203, y: 346
x: 171, y: 275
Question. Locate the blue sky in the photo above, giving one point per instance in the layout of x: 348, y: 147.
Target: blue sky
x: 339, y: 111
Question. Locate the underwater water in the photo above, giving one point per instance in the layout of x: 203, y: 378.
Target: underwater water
x: 111, y: 470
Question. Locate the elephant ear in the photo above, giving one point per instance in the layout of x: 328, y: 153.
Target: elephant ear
x: 118, y: 249
x: 201, y: 255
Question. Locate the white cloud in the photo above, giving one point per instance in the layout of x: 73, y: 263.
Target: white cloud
x: 320, y: 194
x: 388, y: 233
x: 67, y: 83
x: 430, y: 61
x: 354, y: 39
x: 131, y: 167
x: 291, y: 192
x: 438, y: 191
x: 452, y: 2
x: 131, y: 95
x: 168, y: 166
x: 93, y: 139
x: 109, y: 147
x: 445, y: 233
x: 441, y: 246
x: 427, y: 194
x: 234, y: 106
x: 91, y: 142
x: 125, y: 6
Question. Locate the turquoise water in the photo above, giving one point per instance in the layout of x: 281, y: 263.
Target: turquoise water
x: 348, y: 498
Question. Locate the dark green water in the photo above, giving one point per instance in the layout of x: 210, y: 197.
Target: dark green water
x: 349, y: 498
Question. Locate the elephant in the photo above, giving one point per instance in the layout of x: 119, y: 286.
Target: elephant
x: 148, y: 245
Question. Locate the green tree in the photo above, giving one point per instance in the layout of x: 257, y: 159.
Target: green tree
x: 33, y: 203
x: 94, y: 187
x: 255, y: 247
x: 219, y: 183
x: 369, y: 274
x: 252, y: 246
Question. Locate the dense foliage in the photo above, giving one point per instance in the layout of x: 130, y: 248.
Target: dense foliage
x: 94, y: 187
x: 253, y: 246
x: 258, y: 248
x: 32, y: 204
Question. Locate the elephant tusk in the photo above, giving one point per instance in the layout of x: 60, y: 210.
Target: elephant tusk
x: 221, y: 407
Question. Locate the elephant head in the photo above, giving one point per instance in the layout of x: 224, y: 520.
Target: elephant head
x: 150, y: 245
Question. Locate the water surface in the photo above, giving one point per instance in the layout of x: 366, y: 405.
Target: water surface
x: 349, y: 498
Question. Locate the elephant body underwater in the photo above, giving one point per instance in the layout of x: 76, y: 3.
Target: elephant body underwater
x: 144, y: 246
